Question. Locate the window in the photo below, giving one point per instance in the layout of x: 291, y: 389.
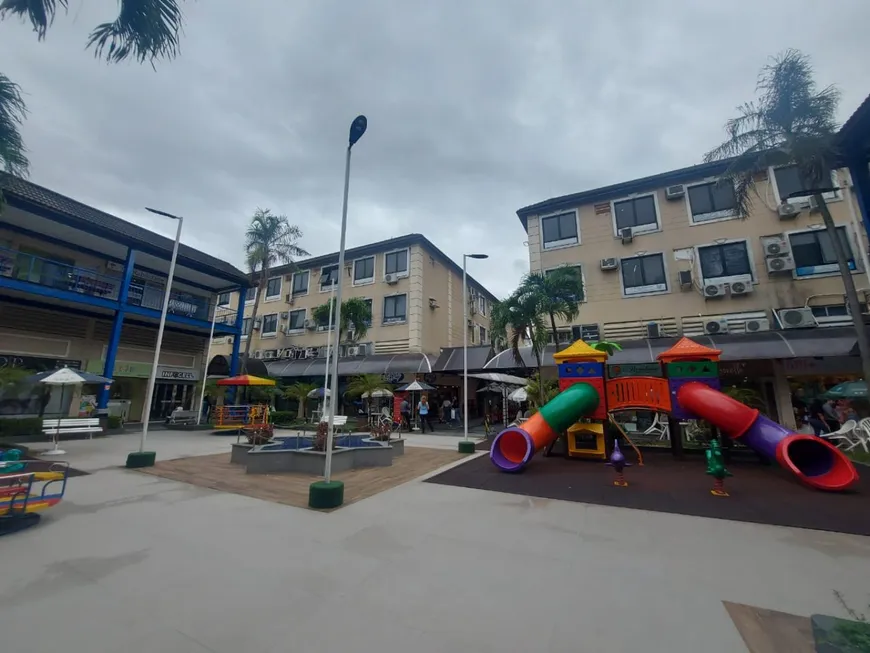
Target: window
x: 788, y: 181
x: 364, y: 270
x: 726, y: 260
x: 395, y: 308
x: 371, y: 303
x: 639, y: 213
x: 246, y: 327
x: 813, y: 252
x: 328, y: 277
x: 250, y: 294
x: 644, y: 274
x: 481, y: 305
x: 559, y: 230
x: 296, y: 321
x: 273, y: 288
x: 270, y: 325
x: 482, y: 335
x: 300, y: 283
x: 223, y: 299
x: 396, y: 262
x: 712, y: 201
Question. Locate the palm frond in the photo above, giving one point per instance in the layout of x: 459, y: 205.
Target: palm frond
x: 13, y: 154
x: 144, y: 30
x: 40, y: 13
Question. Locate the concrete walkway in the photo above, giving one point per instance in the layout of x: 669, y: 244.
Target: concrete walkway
x: 139, y: 564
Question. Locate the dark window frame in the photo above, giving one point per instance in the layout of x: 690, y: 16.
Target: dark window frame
x: 396, y: 253
x: 715, y: 212
x: 636, y: 227
x: 562, y: 220
x: 368, y: 278
x: 626, y: 288
x: 290, y: 326
x: 224, y: 299
x: 831, y: 264
x: 390, y: 301
x: 306, y: 274
x: 326, y: 272
x: 272, y: 318
x: 269, y: 281
x: 721, y: 248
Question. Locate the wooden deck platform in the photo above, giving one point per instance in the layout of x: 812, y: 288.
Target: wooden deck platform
x: 216, y: 472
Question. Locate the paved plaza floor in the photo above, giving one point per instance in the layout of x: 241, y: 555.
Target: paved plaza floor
x: 135, y: 563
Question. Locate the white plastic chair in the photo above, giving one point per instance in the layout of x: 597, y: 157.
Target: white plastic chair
x: 842, y: 435
x: 659, y: 427
x: 861, y: 436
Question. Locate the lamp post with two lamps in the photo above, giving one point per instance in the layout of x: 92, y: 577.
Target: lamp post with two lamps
x: 466, y: 446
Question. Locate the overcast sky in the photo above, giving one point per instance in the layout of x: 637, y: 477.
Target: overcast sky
x: 476, y: 108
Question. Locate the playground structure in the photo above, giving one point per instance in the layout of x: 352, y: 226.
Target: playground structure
x: 240, y: 417
x: 28, y: 488
x: 684, y: 383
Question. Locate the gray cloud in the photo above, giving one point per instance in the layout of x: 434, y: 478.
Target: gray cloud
x: 475, y: 109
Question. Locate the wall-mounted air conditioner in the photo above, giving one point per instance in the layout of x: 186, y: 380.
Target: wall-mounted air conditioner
x: 258, y: 353
x: 741, y: 287
x: 686, y: 279
x: 258, y: 322
x: 714, y: 290
x: 270, y: 354
x: 675, y: 192
x: 609, y: 263
x: 716, y: 327
x: 309, y: 324
x: 754, y: 326
x: 797, y: 318
x: 285, y: 315
x: 653, y: 330
x: 780, y: 264
x: 289, y: 298
x: 787, y: 211
x: 351, y: 351
x: 775, y: 245
x: 626, y: 235
x: 391, y: 279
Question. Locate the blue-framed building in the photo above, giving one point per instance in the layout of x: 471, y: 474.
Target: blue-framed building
x: 83, y: 288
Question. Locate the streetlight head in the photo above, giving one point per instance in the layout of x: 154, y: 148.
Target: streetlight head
x: 478, y: 256
x: 357, y: 129
x: 163, y: 213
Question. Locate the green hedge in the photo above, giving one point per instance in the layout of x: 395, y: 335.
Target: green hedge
x: 18, y: 427
x: 113, y: 422
x: 283, y: 417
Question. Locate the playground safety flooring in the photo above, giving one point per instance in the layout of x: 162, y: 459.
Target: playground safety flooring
x: 759, y: 494
x: 141, y: 564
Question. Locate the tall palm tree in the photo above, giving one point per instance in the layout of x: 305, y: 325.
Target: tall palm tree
x: 269, y: 241
x: 517, y: 320
x: 143, y: 30
x: 557, y: 294
x: 299, y: 392
x: 791, y: 122
x: 356, y: 318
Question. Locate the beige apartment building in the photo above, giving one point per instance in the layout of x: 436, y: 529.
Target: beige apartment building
x: 415, y: 293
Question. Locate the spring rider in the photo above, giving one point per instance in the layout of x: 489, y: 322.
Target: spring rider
x: 716, y: 469
x: 619, y: 463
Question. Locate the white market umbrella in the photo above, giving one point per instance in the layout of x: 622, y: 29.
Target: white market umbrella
x: 318, y: 393
x: 377, y: 393
x: 416, y: 386
x: 519, y: 395
x: 64, y: 377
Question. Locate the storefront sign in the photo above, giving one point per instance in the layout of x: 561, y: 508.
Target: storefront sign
x: 831, y: 365
x: 634, y: 369
x: 36, y: 363
x: 393, y: 377
x: 122, y: 369
x: 176, y: 374
x: 743, y: 369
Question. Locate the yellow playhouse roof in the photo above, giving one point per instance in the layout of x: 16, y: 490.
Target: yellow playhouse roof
x: 580, y: 351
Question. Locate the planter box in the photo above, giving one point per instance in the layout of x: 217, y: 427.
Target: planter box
x: 239, y: 453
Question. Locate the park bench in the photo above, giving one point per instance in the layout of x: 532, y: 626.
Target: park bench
x: 339, y: 423
x: 182, y: 417
x: 57, y: 427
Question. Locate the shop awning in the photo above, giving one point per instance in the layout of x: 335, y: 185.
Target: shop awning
x: 375, y: 364
x: 789, y: 343
x: 450, y: 359
x: 496, y: 377
x: 220, y: 366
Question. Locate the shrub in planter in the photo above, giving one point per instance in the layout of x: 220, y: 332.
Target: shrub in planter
x: 260, y: 434
x: 114, y: 422
x: 283, y: 417
x: 17, y: 427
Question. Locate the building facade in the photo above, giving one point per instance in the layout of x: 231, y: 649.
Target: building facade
x: 84, y: 289
x: 415, y: 294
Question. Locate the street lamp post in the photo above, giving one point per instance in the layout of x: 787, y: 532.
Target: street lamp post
x: 326, y: 368
x: 465, y: 446
x: 329, y: 493
x: 146, y: 459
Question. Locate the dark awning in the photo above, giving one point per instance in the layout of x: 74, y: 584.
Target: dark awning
x: 376, y: 364
x: 450, y: 359
x: 220, y: 366
x: 790, y: 343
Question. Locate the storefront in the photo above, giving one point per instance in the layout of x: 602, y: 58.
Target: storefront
x: 19, y: 398
x: 808, y: 379
x: 175, y: 387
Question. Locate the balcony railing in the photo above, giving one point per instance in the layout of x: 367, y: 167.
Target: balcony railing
x: 57, y: 275
x: 149, y: 294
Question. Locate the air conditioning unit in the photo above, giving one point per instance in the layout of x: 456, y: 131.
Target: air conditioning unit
x: 471, y: 323
x: 258, y: 322
x: 814, y: 206
x: 797, y: 318
x: 716, y: 327
x: 626, y: 235
x: 787, y: 211
x: 391, y: 279
x: 754, y: 326
x: 686, y: 279
x: 653, y: 330
x: 310, y: 352
x: 780, y: 264
x: 351, y: 351
x: 270, y: 354
x: 309, y: 324
x: 258, y: 353
x: 289, y: 298
x: 675, y: 192
x: 741, y: 287
x: 609, y: 264
x: 285, y: 315
x: 713, y: 290
x: 775, y: 246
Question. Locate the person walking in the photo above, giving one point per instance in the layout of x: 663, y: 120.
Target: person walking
x: 425, y: 417
x: 816, y: 417
x: 405, y: 411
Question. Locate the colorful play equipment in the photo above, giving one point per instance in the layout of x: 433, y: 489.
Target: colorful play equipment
x: 683, y: 382
x: 716, y: 469
x: 619, y: 463
x: 27, y: 488
x: 242, y: 416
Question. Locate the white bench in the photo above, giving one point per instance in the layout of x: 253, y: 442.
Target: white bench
x: 56, y: 427
x: 339, y: 422
x: 182, y: 417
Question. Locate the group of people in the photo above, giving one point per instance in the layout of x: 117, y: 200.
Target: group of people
x: 828, y: 415
x: 446, y: 409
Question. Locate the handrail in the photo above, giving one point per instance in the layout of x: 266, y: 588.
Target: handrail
x: 628, y: 439
x: 57, y: 274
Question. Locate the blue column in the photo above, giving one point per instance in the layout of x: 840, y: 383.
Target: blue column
x: 237, y: 337
x: 861, y: 181
x: 117, y: 325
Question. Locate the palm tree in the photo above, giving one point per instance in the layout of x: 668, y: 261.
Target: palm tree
x: 144, y: 30
x: 606, y: 346
x: 269, y: 241
x: 356, y: 317
x: 299, y: 391
x: 517, y: 320
x: 540, y: 392
x: 557, y: 294
x: 791, y: 122
x: 367, y: 384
